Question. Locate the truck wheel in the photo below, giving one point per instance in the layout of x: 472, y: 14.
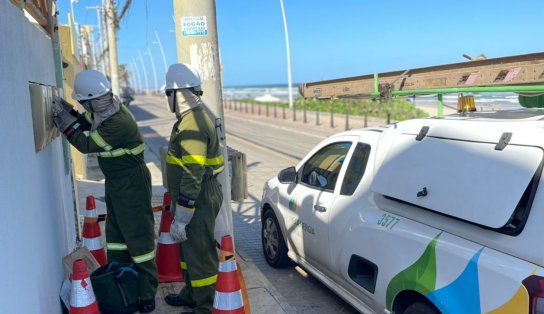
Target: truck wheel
x: 274, y: 248
x: 421, y: 308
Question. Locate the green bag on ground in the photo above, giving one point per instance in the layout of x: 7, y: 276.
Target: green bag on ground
x: 115, y: 287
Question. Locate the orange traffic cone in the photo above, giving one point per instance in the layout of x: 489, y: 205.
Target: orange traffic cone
x: 82, y: 300
x: 167, y: 258
x: 228, y: 293
x: 91, y: 232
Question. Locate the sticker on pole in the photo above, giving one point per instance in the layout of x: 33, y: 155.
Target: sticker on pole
x: 194, y: 26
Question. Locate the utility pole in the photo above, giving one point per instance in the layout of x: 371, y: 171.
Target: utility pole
x: 145, y: 72
x: 154, y: 69
x: 111, y: 17
x: 197, y: 44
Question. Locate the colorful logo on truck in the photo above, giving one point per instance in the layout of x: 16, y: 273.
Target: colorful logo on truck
x: 462, y: 295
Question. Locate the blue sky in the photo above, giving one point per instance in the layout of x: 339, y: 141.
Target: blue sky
x: 333, y: 39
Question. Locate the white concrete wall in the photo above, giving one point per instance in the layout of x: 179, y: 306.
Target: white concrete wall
x: 36, y: 204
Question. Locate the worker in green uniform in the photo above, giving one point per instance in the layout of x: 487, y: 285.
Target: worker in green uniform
x: 114, y: 136
x: 194, y: 160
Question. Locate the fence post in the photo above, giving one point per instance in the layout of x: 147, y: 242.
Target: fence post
x: 245, y: 107
x: 283, y: 108
x: 259, y: 109
x: 266, y: 110
x: 305, y: 120
x: 317, y: 116
x: 294, y: 113
x: 347, y: 118
x: 275, y: 112
x: 332, y: 117
x: 252, y: 108
x: 366, y: 119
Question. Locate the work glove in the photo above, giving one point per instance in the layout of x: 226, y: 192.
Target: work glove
x: 185, y: 208
x: 66, y: 105
x: 61, y: 117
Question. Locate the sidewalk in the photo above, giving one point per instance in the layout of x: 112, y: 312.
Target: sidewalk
x: 262, y: 295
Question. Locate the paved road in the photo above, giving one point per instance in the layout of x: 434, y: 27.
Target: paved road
x: 270, y: 145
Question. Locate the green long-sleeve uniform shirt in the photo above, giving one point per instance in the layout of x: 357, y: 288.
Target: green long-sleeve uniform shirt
x: 194, y: 159
x: 130, y: 224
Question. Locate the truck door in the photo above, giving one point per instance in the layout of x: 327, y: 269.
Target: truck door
x: 315, y: 196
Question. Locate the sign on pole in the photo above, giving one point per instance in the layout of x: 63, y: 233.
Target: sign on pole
x: 194, y: 26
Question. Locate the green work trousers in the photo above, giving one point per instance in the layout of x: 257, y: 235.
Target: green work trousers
x: 130, y: 232
x: 199, y: 253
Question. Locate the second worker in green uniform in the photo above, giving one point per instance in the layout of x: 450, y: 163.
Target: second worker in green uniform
x: 194, y: 160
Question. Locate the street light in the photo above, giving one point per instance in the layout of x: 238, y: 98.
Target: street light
x: 153, y: 67
x: 145, y: 72
x: 135, y: 67
x: 99, y: 55
x: 289, y: 82
x: 162, y: 52
x: 133, y: 77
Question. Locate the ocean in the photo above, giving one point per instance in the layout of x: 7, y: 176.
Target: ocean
x: 495, y: 100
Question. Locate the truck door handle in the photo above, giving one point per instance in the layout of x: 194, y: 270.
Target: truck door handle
x: 320, y: 208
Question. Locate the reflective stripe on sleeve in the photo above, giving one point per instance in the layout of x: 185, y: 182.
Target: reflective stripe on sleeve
x: 100, y: 141
x: 123, y: 151
x: 218, y: 170
x: 117, y: 246
x: 89, y: 117
x: 144, y: 257
x: 195, y: 159
x: 204, y: 282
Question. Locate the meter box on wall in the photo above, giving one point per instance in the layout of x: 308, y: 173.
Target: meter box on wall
x: 41, y: 97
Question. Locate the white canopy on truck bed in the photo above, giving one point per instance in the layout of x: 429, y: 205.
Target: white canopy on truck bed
x: 472, y: 170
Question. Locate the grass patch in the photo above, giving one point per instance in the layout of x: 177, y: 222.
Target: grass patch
x: 398, y: 108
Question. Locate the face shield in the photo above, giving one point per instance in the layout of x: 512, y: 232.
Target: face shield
x: 176, y: 100
x: 171, y: 99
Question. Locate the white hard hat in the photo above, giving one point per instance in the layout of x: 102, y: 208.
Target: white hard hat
x: 181, y: 75
x: 90, y: 84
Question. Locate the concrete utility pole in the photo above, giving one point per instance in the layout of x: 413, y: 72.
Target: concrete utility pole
x: 145, y: 72
x: 196, y: 40
x: 153, y: 68
x: 111, y: 16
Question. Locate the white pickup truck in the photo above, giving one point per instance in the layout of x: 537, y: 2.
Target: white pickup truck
x: 422, y: 216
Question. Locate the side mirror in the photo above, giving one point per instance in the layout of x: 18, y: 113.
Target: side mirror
x: 288, y: 175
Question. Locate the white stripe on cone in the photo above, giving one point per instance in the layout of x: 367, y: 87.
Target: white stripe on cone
x: 228, y: 266
x: 228, y: 301
x: 166, y: 238
x: 91, y: 213
x: 92, y: 244
x: 82, y: 293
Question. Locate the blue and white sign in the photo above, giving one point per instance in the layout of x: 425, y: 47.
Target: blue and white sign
x: 194, y: 26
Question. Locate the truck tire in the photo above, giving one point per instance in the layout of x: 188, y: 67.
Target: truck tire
x: 274, y: 248
x: 421, y: 308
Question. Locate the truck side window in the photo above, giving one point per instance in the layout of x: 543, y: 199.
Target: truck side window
x: 356, y: 169
x: 322, y: 169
